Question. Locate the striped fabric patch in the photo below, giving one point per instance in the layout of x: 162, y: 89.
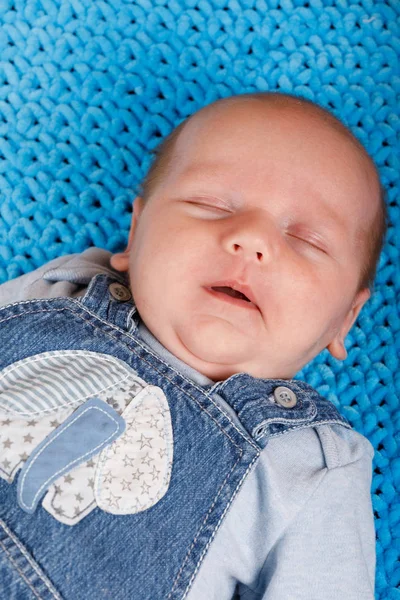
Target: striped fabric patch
x: 46, y: 382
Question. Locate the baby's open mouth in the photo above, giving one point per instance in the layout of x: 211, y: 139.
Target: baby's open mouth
x: 231, y: 292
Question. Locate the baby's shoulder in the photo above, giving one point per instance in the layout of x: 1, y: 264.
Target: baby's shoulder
x: 312, y: 471
x: 295, y: 464
x: 66, y: 276
x: 341, y: 446
x: 322, y: 446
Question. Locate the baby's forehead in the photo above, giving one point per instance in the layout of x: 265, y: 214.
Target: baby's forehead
x: 245, y: 122
x: 240, y: 124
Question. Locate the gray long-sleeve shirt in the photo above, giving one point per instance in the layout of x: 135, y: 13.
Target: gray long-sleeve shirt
x: 301, y: 526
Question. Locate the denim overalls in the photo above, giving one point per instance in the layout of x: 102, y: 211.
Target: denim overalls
x: 116, y: 470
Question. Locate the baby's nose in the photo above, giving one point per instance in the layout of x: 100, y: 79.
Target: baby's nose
x: 252, y: 236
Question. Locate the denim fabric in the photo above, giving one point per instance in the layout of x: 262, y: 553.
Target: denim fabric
x: 155, y: 553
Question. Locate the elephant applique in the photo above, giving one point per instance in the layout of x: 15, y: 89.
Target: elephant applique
x: 83, y: 431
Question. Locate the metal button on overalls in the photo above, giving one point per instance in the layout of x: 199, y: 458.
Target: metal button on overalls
x: 119, y: 292
x: 285, y: 397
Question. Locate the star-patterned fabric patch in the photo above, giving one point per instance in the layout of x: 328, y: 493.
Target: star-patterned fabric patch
x: 71, y: 497
x: 20, y: 435
x: 134, y: 472
x: 24, y: 425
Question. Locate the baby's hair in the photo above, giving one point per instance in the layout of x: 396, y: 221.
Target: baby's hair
x: 373, y: 239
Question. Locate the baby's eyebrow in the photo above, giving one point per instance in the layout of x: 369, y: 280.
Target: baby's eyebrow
x: 209, y: 171
x: 204, y: 166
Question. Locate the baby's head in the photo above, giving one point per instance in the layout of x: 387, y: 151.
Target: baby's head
x: 269, y: 194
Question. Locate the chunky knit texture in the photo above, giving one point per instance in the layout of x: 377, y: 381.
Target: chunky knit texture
x: 88, y: 89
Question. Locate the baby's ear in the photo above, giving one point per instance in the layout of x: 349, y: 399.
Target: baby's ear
x: 120, y: 261
x: 336, y: 346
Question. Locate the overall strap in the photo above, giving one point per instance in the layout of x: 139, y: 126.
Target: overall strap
x: 271, y: 407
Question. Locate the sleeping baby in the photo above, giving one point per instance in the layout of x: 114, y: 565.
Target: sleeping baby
x: 154, y: 442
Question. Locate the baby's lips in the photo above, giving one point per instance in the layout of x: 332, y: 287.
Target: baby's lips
x: 239, y: 287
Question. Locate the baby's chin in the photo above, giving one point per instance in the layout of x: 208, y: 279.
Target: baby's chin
x: 217, y: 352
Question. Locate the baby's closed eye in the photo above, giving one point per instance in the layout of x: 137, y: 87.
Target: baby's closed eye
x: 308, y: 241
x: 206, y: 203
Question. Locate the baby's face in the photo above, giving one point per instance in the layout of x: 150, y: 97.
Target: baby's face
x: 264, y: 197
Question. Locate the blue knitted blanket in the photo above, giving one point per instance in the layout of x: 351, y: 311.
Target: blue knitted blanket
x: 88, y: 89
